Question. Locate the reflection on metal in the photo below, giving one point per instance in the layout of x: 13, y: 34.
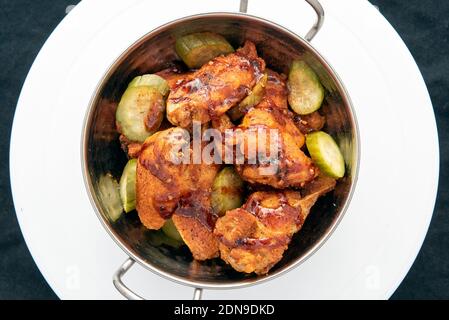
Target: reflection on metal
x: 243, y: 6
x: 316, y: 5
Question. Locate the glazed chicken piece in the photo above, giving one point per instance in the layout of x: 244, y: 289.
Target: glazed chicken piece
x: 215, y: 87
x: 276, y: 91
x: 315, y: 189
x: 254, y: 238
x: 195, y: 221
x: 165, y: 185
x: 271, y: 93
x: 309, y: 122
x: 174, y: 76
x: 290, y: 167
x: 129, y: 147
x: 222, y: 123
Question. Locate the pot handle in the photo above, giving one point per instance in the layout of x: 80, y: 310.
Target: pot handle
x: 127, y: 292
x: 315, y: 4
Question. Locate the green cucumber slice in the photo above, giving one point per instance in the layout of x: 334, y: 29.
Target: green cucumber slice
x: 326, y: 154
x: 306, y: 93
x: 198, y: 48
x: 108, y: 189
x: 128, y: 186
x: 170, y: 230
x: 227, y: 191
x: 151, y: 80
x: 139, y: 106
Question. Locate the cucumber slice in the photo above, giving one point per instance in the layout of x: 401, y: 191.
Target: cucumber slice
x: 108, y: 189
x: 320, y: 71
x: 151, y: 80
x: 128, y: 186
x: 306, y: 93
x: 227, y: 191
x: 140, y: 112
x: 326, y: 154
x: 158, y: 238
x: 170, y: 230
x: 198, y: 48
x: 253, y: 99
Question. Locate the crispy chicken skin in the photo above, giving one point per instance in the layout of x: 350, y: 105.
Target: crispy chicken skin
x: 174, y: 76
x: 276, y: 90
x: 239, y: 233
x: 200, y: 240
x: 253, y: 238
x: 129, y: 147
x: 163, y: 185
x: 315, y: 189
x: 215, y: 87
x: 292, y: 168
x: 195, y: 221
x: 222, y: 123
x: 309, y: 122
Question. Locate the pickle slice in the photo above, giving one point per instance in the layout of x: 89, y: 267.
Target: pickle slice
x: 128, y: 186
x: 170, y: 230
x: 140, y: 112
x: 326, y: 154
x: 198, y: 48
x: 227, y: 191
x: 151, y: 80
x: 253, y: 99
x: 108, y: 189
x: 306, y: 93
x: 158, y: 238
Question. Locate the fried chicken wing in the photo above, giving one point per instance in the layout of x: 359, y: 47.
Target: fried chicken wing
x: 254, y: 238
x: 200, y: 240
x: 222, y: 123
x: 290, y: 167
x: 164, y: 184
x: 242, y: 243
x: 315, y: 189
x: 215, y: 87
x: 194, y: 219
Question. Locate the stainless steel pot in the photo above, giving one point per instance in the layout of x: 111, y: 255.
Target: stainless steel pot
x: 101, y: 151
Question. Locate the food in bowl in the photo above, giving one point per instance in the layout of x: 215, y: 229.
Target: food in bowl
x: 231, y: 199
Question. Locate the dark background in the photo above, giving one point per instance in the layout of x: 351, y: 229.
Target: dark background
x: 24, y: 27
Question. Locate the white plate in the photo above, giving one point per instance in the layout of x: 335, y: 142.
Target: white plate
x: 380, y: 235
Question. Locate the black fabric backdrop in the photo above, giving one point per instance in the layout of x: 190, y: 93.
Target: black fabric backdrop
x: 24, y: 27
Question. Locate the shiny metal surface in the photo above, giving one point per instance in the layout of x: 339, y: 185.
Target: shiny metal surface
x: 118, y: 282
x: 131, y: 295
x: 316, y: 5
x: 102, y: 154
